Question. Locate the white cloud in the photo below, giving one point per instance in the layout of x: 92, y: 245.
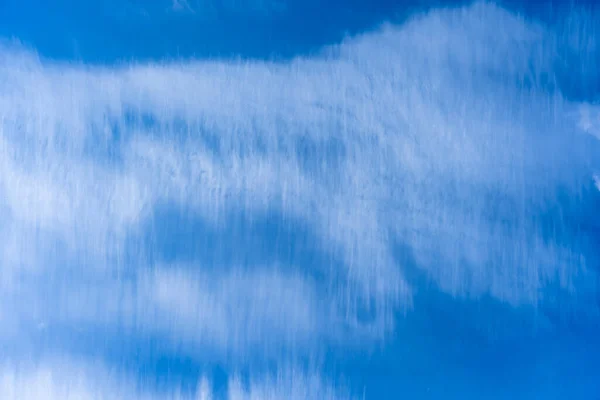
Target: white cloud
x: 417, y: 135
x: 67, y: 379
x: 62, y: 380
x: 238, y: 311
x: 418, y: 143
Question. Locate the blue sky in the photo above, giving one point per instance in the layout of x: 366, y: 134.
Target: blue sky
x: 108, y: 31
x: 260, y: 199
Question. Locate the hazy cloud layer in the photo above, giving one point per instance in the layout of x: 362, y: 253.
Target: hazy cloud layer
x: 437, y: 148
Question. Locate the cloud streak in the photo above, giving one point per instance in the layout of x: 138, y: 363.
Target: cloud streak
x: 446, y: 149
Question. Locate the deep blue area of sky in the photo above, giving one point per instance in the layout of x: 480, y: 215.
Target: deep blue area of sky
x: 117, y: 31
x: 105, y: 31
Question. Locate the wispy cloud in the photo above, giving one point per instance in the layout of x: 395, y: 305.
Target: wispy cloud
x: 62, y: 379
x: 589, y: 119
x: 418, y: 139
x: 182, y: 5
x: 67, y: 379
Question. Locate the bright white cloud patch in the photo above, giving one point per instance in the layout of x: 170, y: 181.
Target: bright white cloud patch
x: 62, y: 380
x: 70, y: 380
x: 428, y: 149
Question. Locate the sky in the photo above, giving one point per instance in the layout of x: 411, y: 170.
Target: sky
x: 269, y: 199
